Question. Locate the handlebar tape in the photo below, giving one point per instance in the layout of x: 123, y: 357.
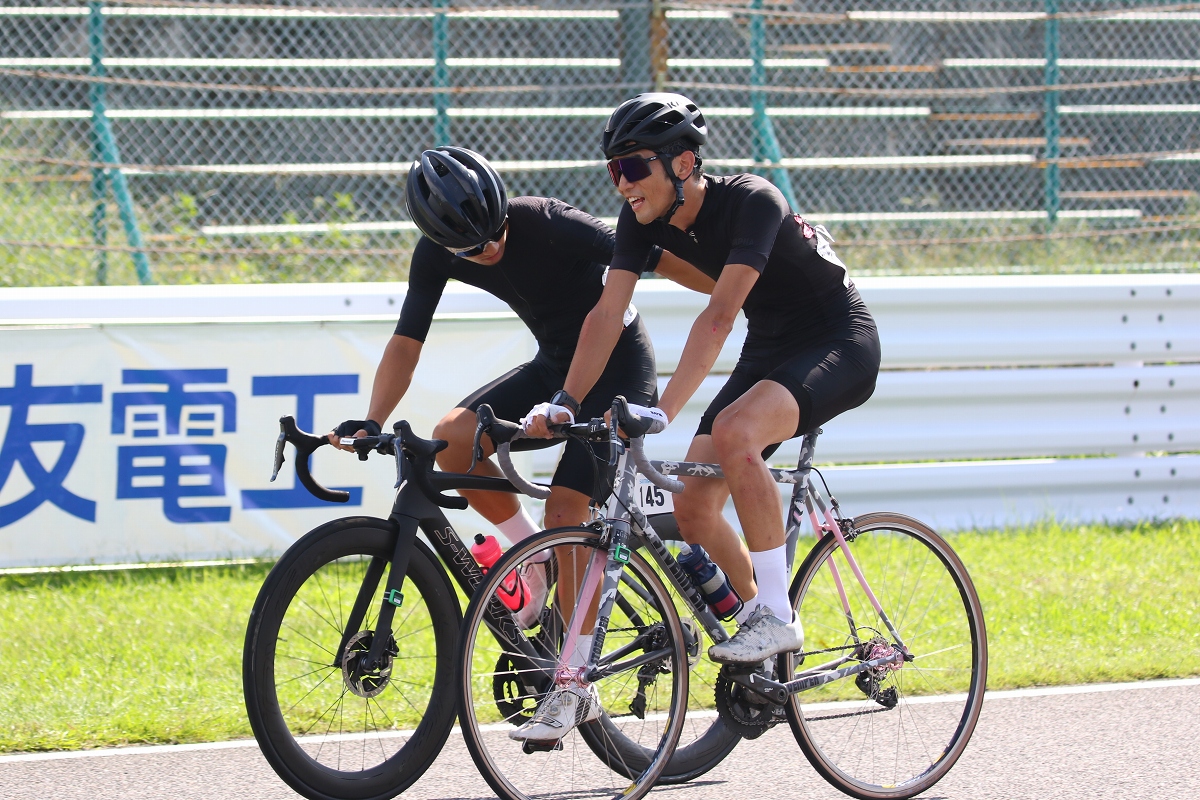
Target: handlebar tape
x: 673, y: 485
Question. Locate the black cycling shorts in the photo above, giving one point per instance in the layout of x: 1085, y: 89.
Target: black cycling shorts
x: 630, y: 372
x: 833, y: 374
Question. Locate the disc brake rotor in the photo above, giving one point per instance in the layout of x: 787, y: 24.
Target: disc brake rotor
x: 358, y: 679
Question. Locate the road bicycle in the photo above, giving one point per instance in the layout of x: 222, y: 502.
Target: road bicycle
x: 348, y: 663
x: 882, y: 700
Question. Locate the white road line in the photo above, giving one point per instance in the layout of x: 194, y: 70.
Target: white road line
x: 1008, y: 694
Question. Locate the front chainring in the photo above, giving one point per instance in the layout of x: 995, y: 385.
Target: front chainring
x: 514, y: 703
x: 747, y: 713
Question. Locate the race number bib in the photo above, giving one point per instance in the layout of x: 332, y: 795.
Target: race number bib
x: 652, y: 499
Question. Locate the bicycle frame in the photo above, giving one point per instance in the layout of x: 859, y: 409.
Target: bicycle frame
x: 624, y: 519
x: 417, y: 506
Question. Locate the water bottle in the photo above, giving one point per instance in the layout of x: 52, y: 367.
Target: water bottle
x: 711, y: 581
x: 513, y: 591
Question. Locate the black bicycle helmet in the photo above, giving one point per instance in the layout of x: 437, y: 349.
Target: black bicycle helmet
x: 455, y: 197
x: 653, y: 120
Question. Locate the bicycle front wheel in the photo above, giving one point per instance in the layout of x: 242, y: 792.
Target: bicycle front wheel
x: 892, y: 731
x: 331, y: 731
x: 643, y: 694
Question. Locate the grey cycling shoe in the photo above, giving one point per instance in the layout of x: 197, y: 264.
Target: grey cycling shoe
x: 559, y: 712
x: 762, y: 636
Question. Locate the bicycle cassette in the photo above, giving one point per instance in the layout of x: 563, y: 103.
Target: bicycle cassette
x: 747, y: 713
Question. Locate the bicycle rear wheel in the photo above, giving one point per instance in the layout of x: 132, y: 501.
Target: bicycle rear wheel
x: 642, y: 700
x: 894, y: 731
x: 329, y: 733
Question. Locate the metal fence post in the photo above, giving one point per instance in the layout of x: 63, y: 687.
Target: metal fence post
x: 659, y: 48
x: 99, y: 176
x: 106, y: 146
x: 1051, y: 114
x: 766, y: 146
x: 441, y: 76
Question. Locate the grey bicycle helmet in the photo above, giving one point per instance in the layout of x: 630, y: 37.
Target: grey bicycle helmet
x: 653, y: 120
x: 455, y: 197
x: 664, y: 122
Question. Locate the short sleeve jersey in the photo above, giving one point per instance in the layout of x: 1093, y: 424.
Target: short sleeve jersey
x: 551, y: 274
x: 746, y: 220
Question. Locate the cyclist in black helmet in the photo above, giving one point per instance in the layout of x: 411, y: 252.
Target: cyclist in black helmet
x: 811, y: 350
x: 547, y: 261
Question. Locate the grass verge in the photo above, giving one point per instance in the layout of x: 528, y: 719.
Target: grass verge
x: 96, y: 659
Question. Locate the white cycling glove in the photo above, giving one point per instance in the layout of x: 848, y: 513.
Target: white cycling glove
x: 656, y: 414
x: 547, y: 410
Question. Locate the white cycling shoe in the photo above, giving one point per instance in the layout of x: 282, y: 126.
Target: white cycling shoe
x: 535, y: 575
x: 762, y: 636
x: 559, y: 713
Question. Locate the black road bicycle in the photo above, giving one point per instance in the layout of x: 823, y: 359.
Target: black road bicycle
x: 348, y: 666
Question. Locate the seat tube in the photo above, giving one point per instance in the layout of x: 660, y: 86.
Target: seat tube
x: 823, y: 530
x: 858, y: 573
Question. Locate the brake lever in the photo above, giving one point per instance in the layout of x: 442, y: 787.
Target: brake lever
x: 614, y: 441
x: 279, y: 457
x: 477, y: 446
x: 398, y: 451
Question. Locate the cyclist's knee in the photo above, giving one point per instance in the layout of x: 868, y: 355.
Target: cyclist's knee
x: 565, y: 507
x: 733, y: 440
x: 455, y: 427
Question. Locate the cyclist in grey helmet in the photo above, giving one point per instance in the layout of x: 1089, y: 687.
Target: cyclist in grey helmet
x: 811, y: 350
x: 547, y: 261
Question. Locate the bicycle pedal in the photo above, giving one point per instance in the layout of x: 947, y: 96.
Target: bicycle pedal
x: 529, y: 746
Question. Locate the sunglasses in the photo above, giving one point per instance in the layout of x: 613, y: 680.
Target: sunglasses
x: 478, y: 249
x: 634, y: 168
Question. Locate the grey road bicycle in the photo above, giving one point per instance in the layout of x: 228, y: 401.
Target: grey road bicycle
x: 882, y: 700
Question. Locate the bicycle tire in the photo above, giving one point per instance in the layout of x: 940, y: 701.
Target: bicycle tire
x: 874, y: 742
x: 706, y: 739
x: 296, y: 627
x: 515, y: 774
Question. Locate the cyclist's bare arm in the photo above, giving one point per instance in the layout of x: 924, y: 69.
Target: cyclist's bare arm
x: 392, y: 379
x: 674, y: 268
x: 707, y: 336
x: 602, y: 327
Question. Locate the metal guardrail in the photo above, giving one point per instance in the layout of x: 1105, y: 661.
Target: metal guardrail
x: 1002, y: 399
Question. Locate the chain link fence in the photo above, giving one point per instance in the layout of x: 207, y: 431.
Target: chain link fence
x: 168, y: 141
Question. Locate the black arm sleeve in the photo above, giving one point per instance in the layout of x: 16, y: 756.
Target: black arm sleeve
x: 759, y: 215
x: 426, y: 280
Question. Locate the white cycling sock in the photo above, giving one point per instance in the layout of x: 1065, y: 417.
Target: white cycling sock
x: 748, y: 607
x: 770, y: 573
x: 518, y: 527
x: 583, y: 650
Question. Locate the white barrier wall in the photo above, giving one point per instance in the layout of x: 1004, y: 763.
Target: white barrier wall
x: 139, y: 421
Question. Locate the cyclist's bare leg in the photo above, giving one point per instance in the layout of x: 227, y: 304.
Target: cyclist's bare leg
x: 698, y: 512
x: 766, y: 414
x: 458, y: 429
x: 569, y: 507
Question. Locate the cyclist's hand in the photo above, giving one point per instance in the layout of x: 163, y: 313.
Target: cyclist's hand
x: 535, y: 423
x: 353, y: 428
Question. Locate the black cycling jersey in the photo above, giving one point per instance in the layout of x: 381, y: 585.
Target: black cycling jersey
x: 746, y: 220
x: 550, y: 275
x: 808, y: 329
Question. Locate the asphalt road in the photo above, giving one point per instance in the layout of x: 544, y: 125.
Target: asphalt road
x: 1137, y: 741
